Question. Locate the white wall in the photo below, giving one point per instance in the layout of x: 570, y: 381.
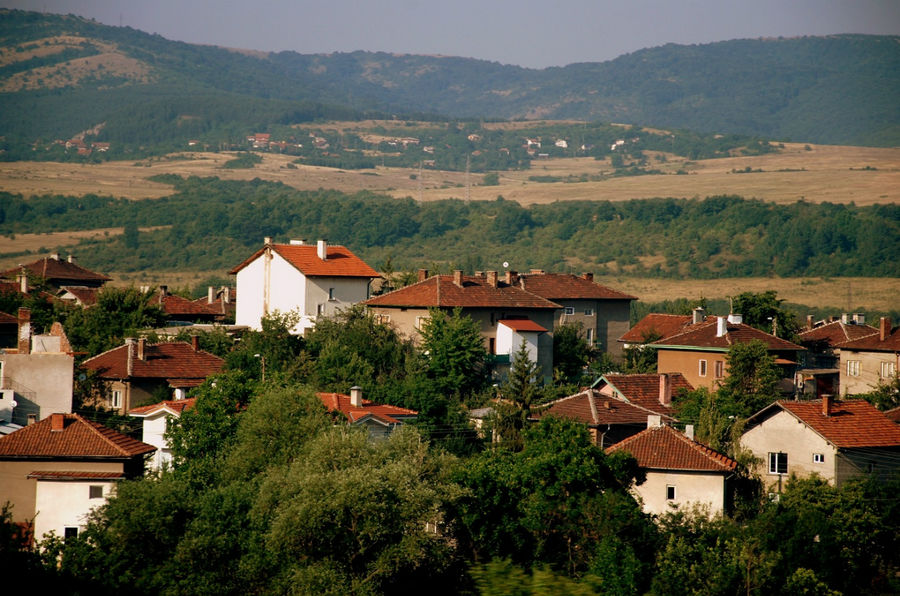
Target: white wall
x: 509, y: 341
x: 691, y: 489
x: 48, y: 376
x: 154, y: 429
x: 65, y: 503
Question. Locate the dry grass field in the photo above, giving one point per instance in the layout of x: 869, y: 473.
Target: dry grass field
x: 824, y: 173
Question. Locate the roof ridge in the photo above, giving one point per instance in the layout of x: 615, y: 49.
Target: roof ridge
x: 96, y: 428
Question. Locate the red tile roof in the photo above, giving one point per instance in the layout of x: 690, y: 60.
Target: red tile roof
x: 643, y: 390
x: 836, y: 332
x: 565, y: 286
x: 58, y: 269
x: 341, y: 262
x: 852, y: 423
x: 86, y: 296
x: 175, y: 406
x: 8, y: 319
x: 656, y: 325
x: 475, y: 292
x: 174, y: 306
x: 605, y: 410
x: 174, y: 360
x: 893, y: 415
x: 521, y: 325
x: 874, y: 343
x: 664, y: 448
x: 70, y: 475
x: 79, y: 438
x: 339, y: 402
x: 703, y: 335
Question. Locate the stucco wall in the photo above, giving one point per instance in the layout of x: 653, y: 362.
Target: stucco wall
x: 687, y: 362
x: 869, y: 370
x: 48, y: 376
x: 691, y: 489
x: 154, y: 428
x: 59, y: 504
x: 609, y: 321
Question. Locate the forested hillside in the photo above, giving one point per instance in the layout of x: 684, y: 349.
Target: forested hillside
x: 698, y: 238
x: 63, y: 75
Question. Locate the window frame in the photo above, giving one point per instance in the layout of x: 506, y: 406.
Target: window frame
x: 568, y: 310
x: 702, y: 367
x: 853, y: 368
x: 589, y: 312
x: 776, y: 457
x: 93, y: 489
x: 671, y: 492
x: 115, y: 399
x: 888, y: 369
x: 719, y: 369
x: 818, y: 458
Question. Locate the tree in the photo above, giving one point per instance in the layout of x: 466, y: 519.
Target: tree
x: 765, y: 312
x: 455, y: 357
x: 519, y: 392
x: 571, y: 351
x: 885, y: 396
x: 751, y: 382
x: 119, y: 312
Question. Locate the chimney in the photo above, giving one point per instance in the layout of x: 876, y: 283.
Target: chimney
x: 735, y: 318
x: 71, y: 259
x: 129, y: 366
x: 23, y: 281
x: 665, y: 389
x: 163, y: 291
x: 699, y: 315
x: 57, y: 422
x: 322, y: 249
x: 226, y: 294
x: 210, y: 295
x: 55, y: 256
x: 689, y: 431
x: 809, y: 322
x: 457, y: 277
x: 492, y: 278
x: 654, y: 421
x: 845, y: 318
x: 721, y: 326
x: 422, y: 275
x: 884, y: 328
x: 356, y: 396
x: 267, y: 240
x: 512, y: 277
x: 537, y: 271
x: 588, y: 276
x: 827, y: 402
x: 24, y: 343
x: 859, y: 318
x: 195, y: 342
x: 297, y: 241
x: 593, y: 405
x: 142, y: 348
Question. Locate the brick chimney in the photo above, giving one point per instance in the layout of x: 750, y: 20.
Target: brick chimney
x: 512, y: 277
x: 129, y: 365
x: 827, y: 402
x: 24, y: 343
x: 57, y: 422
x: 665, y: 389
x: 195, y: 342
x: 23, y: 281
x: 322, y: 249
x: 142, y: 348
x: 356, y: 396
x: 492, y: 278
x: 422, y: 275
x: 884, y: 328
x: 589, y: 275
x: 458, y: 277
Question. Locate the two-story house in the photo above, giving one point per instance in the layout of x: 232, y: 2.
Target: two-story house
x: 154, y: 422
x: 312, y: 280
x: 821, y: 374
x: 833, y: 439
x: 870, y: 360
x: 59, y: 273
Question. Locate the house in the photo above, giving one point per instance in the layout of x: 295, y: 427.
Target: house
x: 378, y: 419
x: 603, y: 312
x: 562, y: 143
x: 36, y: 377
x: 821, y: 375
x: 833, y: 439
x: 313, y: 280
x: 656, y: 326
x: 57, y: 470
x: 681, y: 473
x: 154, y: 421
x: 136, y: 373
x: 59, y: 273
x: 222, y: 300
x: 651, y: 391
x: 184, y: 310
x: 501, y: 310
x: 79, y: 295
x: 699, y: 350
x: 870, y: 360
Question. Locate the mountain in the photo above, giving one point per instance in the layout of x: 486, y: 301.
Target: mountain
x: 60, y: 75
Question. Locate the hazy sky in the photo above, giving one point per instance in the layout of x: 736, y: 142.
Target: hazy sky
x: 526, y: 32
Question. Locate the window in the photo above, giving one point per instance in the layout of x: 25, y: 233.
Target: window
x: 589, y: 312
x: 590, y: 336
x: 116, y: 398
x: 853, y: 368
x: 670, y: 492
x: 570, y: 310
x: 95, y: 492
x: 778, y: 463
x: 320, y: 309
x: 720, y: 369
x: 70, y: 533
x: 702, y: 371
x: 382, y: 319
x: 888, y: 369
x: 420, y: 322
x: 331, y: 293
x: 818, y: 458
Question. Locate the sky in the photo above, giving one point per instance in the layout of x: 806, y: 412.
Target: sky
x: 530, y: 33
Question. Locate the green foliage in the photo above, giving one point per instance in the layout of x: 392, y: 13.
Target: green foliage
x: 765, y: 312
x: 885, y: 396
x: 244, y: 161
x: 119, y: 313
x: 455, y: 358
x: 752, y: 380
x: 571, y: 351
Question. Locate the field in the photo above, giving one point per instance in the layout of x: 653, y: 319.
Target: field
x: 837, y: 174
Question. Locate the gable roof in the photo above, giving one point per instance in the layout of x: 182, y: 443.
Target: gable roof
x: 474, y: 292
x: 174, y: 407
x: 664, y: 448
x: 704, y: 335
x: 339, y: 402
x: 565, y: 286
x: 174, y: 306
x: 57, y: 269
x: 77, y: 438
x: 83, y: 295
x: 874, y: 343
x: 340, y: 261
x: 656, y: 325
x: 521, y: 325
x: 850, y: 424
x: 643, y: 389
x: 593, y: 408
x: 172, y: 360
x: 836, y: 332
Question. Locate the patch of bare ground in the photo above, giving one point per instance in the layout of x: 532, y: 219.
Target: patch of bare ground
x: 844, y: 294
x: 53, y: 241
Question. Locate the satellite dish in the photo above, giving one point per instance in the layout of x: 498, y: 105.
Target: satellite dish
x: 505, y: 264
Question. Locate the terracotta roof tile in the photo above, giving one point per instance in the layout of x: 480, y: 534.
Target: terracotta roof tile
x: 78, y: 438
x: 606, y: 410
x: 852, y: 423
x: 643, y: 390
x: 874, y: 343
x: 59, y: 270
x: 475, y: 292
x: 521, y: 325
x: 836, y: 332
x: 893, y: 415
x: 339, y: 402
x: 565, y: 286
x: 176, y: 406
x: 174, y: 360
x: 664, y: 448
x: 656, y: 325
x: 703, y: 335
x: 174, y: 306
x: 71, y: 475
x: 341, y: 261
x: 86, y: 296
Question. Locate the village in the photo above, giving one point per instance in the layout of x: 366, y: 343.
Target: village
x: 59, y: 464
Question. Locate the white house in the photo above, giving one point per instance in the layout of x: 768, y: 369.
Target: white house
x: 512, y: 332
x: 155, y: 417
x: 312, y: 280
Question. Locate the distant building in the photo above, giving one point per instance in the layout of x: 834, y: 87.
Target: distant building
x: 379, y: 419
